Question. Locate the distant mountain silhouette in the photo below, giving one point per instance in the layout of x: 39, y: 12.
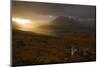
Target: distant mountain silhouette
x: 61, y: 19
x: 64, y: 22
x: 63, y: 25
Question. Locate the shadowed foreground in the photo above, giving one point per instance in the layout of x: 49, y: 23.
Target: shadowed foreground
x: 31, y: 49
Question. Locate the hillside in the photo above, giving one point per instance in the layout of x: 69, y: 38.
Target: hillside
x: 33, y: 48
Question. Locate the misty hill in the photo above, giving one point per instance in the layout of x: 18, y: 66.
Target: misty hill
x: 61, y: 20
x: 63, y: 25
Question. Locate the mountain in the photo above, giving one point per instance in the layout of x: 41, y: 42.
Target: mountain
x: 64, y: 25
x: 61, y: 20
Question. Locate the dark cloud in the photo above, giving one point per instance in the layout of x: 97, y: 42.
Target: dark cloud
x: 27, y: 8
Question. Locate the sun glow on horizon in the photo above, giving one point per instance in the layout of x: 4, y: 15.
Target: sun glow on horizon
x: 21, y: 21
x: 30, y: 25
x: 24, y: 24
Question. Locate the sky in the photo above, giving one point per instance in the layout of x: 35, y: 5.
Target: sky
x: 44, y: 13
x: 27, y: 8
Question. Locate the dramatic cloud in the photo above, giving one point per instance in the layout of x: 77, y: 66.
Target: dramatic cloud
x: 82, y: 17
